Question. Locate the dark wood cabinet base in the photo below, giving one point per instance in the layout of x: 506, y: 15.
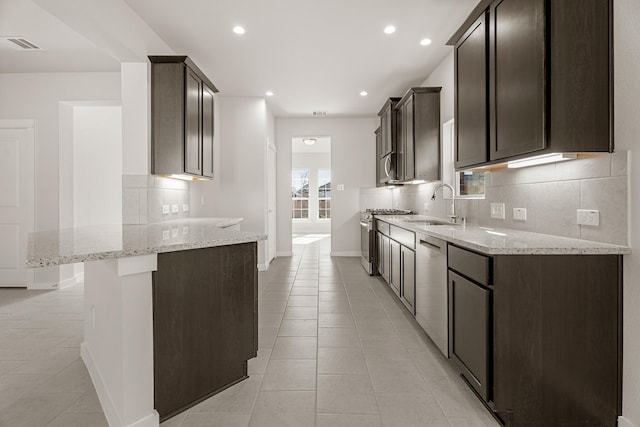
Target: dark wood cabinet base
x: 204, y: 323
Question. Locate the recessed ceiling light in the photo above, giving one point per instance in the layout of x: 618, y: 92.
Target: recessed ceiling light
x: 238, y: 29
x: 389, y: 29
x: 425, y: 42
x: 364, y: 93
x: 269, y: 93
x: 309, y: 141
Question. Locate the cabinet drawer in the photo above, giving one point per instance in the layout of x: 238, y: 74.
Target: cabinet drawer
x: 382, y: 227
x: 405, y: 237
x: 475, y: 266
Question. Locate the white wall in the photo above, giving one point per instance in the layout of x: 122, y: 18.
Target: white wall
x: 37, y: 96
x: 352, y: 159
x: 97, y: 165
x: 627, y: 134
x: 313, y: 162
x: 238, y: 188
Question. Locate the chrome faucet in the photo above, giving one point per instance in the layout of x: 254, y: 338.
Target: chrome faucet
x: 453, y: 215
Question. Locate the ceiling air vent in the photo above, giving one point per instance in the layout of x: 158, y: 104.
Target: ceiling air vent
x: 319, y: 113
x: 19, y: 43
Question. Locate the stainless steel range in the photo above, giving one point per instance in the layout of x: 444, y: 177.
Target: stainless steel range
x: 368, y: 234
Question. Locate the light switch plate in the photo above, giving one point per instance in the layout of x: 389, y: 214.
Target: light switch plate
x: 175, y: 208
x: 340, y: 187
x: 588, y: 217
x: 166, y: 209
x: 520, y: 214
x: 185, y: 208
x: 174, y: 232
x: 166, y: 234
x: 497, y: 210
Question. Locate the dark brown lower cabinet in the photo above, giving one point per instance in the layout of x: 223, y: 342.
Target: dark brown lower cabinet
x: 204, y: 323
x: 557, y: 340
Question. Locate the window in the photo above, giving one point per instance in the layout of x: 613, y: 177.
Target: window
x: 470, y: 184
x: 300, y: 193
x: 324, y: 193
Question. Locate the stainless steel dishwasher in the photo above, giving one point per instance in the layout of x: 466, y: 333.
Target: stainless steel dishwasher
x: 431, y: 290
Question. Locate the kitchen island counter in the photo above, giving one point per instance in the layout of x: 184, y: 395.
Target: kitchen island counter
x: 170, y: 310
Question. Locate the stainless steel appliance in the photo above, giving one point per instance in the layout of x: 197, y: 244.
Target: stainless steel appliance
x: 431, y: 290
x: 368, y: 235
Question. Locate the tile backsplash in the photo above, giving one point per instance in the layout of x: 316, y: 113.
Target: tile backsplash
x: 143, y: 197
x: 551, y: 194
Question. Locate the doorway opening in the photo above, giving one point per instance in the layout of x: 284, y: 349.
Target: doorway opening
x: 310, y: 189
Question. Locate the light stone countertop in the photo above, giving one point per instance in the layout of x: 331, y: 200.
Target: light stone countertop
x: 67, y: 246
x: 504, y: 241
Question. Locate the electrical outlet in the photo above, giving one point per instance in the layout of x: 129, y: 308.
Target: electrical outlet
x: 425, y: 207
x: 520, y: 214
x: 166, y: 234
x: 174, y: 232
x: 175, y: 208
x: 497, y: 210
x: 340, y: 187
x: 588, y: 217
x: 185, y: 208
x: 166, y: 209
x: 185, y: 229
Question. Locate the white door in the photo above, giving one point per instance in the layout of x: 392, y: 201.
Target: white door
x: 16, y: 199
x: 271, y: 202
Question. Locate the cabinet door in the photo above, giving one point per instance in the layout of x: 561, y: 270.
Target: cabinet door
x: 407, y: 139
x: 471, y: 98
x: 192, y: 137
x: 385, y: 132
x: 379, y: 170
x: 426, y: 136
x: 394, y: 256
x: 386, y: 258
x: 469, y: 323
x: 207, y: 131
x: 400, y: 144
x: 408, y: 271
x: 517, y: 84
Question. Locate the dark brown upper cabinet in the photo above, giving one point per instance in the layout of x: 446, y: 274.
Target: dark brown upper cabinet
x: 386, y: 148
x: 472, y: 95
x: 418, y: 135
x: 533, y: 77
x: 182, y: 118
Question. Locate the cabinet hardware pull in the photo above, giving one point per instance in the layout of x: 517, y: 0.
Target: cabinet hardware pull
x: 427, y: 244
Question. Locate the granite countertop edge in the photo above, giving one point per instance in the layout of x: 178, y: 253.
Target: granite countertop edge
x: 144, y: 240
x: 555, y: 245
x: 97, y: 256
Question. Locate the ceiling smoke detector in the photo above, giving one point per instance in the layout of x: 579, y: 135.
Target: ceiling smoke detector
x: 319, y: 113
x: 19, y: 43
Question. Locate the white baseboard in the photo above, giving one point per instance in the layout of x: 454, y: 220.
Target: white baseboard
x: 346, y: 253
x: 78, y: 278
x: 624, y: 422
x: 108, y: 407
x: 284, y: 254
x: 39, y: 286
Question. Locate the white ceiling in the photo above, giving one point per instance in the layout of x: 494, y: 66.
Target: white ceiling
x: 63, y: 49
x: 315, y: 56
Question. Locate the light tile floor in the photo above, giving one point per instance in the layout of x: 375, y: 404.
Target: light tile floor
x: 336, y: 349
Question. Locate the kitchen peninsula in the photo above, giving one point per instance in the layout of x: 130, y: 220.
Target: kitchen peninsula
x: 170, y: 310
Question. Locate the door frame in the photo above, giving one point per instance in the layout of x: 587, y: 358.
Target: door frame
x: 28, y: 125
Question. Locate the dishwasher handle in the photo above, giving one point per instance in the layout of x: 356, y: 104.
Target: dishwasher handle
x: 433, y: 244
